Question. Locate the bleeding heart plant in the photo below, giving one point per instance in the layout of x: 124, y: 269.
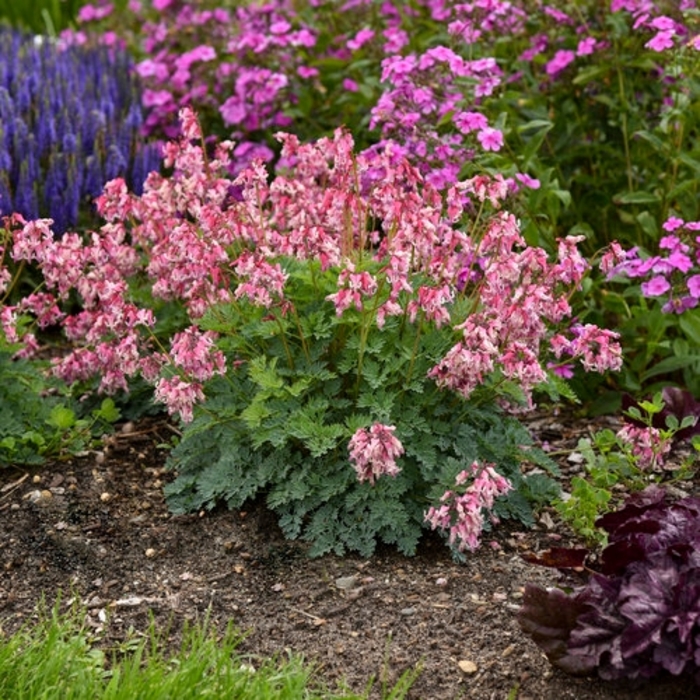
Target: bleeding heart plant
x: 344, y: 301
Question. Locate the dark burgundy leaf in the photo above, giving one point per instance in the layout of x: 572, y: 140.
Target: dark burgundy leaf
x: 560, y: 558
x: 548, y: 616
x: 635, y: 506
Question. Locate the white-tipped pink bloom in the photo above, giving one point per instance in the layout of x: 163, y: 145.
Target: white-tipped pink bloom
x: 374, y: 452
x: 646, y: 444
x: 178, y: 396
x: 195, y: 352
x: 461, y: 515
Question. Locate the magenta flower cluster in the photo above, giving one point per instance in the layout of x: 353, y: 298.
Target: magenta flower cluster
x: 673, y: 274
x: 244, y: 70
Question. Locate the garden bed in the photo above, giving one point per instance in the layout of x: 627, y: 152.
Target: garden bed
x: 97, y: 529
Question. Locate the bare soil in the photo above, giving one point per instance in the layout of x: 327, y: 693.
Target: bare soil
x: 97, y: 529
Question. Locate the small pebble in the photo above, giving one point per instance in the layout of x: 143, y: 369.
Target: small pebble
x: 466, y: 666
x: 345, y: 583
x: 150, y: 552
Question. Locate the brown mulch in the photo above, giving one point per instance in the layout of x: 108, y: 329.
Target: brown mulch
x: 96, y: 529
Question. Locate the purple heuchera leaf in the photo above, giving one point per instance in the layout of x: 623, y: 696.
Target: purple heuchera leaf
x: 641, y: 615
x: 549, y: 615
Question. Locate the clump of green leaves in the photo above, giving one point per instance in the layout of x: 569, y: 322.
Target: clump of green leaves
x: 628, y: 460
x: 36, y: 422
x: 284, y: 433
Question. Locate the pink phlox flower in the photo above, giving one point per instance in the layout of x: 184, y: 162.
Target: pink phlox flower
x: 307, y: 72
x: 629, y: 5
x: 490, y: 139
x: 586, y: 46
x: 694, y: 286
x: 528, y: 181
x: 443, y: 54
x: 557, y: 15
x: 360, y: 39
x: 538, y: 45
x: 395, y: 69
x: 149, y: 68
x: 673, y: 243
x: 94, y: 13
x: 374, y: 452
x: 561, y: 60
x: 661, y: 41
x: 465, y: 29
x: 680, y: 261
x: 302, y: 37
x: 672, y: 223
x: 280, y: 27
x: 656, y: 286
x: 679, y: 305
x: 564, y: 371
x: 202, y: 53
x: 396, y: 40
x: 157, y: 98
x: 663, y: 23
